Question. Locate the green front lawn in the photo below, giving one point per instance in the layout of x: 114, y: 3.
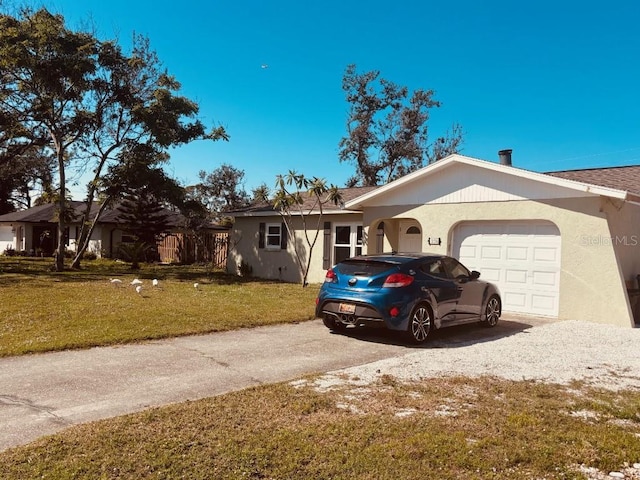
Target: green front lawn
x: 43, y: 311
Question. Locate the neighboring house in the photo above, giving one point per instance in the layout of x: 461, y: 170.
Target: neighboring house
x: 564, y: 244
x: 34, y: 232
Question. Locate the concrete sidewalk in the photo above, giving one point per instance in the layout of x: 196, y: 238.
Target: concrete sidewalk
x: 43, y: 394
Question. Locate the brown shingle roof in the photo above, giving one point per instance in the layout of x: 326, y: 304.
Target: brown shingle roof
x: 348, y: 194
x: 620, y: 178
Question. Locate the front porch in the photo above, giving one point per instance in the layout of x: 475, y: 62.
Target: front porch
x: 399, y: 235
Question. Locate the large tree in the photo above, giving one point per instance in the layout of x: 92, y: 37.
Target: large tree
x: 94, y: 105
x: 143, y: 194
x: 19, y: 176
x: 138, y: 117
x: 145, y: 218
x: 222, y: 190
x: 46, y: 71
x: 387, y: 135
x: 22, y: 163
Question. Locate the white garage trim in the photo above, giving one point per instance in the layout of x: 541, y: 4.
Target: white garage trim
x: 521, y: 258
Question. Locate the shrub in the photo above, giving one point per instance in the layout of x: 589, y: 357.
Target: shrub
x: 245, y: 269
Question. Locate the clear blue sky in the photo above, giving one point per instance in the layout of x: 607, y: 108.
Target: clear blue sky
x: 556, y: 81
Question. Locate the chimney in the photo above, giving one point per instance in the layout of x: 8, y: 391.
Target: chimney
x: 505, y: 157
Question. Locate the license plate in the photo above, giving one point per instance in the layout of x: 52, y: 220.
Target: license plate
x: 347, y: 308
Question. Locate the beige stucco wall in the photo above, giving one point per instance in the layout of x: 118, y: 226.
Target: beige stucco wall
x: 624, y: 219
x: 592, y: 285
x: 279, y: 264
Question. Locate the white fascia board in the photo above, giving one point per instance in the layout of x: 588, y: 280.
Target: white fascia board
x: 358, y: 202
x: 277, y: 213
x: 251, y: 214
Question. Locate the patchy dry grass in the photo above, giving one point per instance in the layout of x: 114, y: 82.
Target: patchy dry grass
x: 45, y: 311
x: 442, y: 428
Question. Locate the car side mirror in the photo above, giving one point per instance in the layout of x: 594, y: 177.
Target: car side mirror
x: 475, y: 275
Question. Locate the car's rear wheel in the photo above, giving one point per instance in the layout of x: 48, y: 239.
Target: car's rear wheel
x: 332, y: 323
x: 492, y: 312
x: 420, y: 324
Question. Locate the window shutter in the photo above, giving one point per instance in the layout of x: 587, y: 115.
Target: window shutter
x: 283, y: 236
x: 261, y: 234
x: 326, y: 246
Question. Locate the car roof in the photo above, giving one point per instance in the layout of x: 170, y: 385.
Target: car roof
x: 395, y: 257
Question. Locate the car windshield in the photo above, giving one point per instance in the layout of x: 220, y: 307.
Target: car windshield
x: 363, y: 268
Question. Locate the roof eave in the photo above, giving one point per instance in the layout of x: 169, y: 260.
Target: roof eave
x: 359, y: 202
x: 633, y: 198
x: 272, y: 213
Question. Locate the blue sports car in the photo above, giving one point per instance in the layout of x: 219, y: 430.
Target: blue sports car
x: 414, y: 293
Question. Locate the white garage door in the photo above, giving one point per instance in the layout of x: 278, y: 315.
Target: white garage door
x: 521, y: 258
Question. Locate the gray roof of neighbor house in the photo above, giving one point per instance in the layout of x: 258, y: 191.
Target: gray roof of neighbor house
x: 47, y: 214
x: 40, y: 214
x: 620, y: 178
x: 309, y: 202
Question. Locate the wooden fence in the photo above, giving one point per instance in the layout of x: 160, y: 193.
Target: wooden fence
x: 185, y: 248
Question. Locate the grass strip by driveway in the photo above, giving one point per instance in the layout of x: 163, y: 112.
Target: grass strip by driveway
x: 440, y: 428
x: 45, y: 311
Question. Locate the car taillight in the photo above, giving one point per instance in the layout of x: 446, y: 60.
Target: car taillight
x: 397, y: 280
x: 330, y: 277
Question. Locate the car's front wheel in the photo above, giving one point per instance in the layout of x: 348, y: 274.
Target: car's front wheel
x: 492, y: 311
x: 420, y: 324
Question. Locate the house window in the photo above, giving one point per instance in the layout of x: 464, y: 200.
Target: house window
x: 273, y: 236
x: 347, y: 241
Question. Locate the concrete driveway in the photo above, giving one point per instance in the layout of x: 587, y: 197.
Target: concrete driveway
x: 43, y: 394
